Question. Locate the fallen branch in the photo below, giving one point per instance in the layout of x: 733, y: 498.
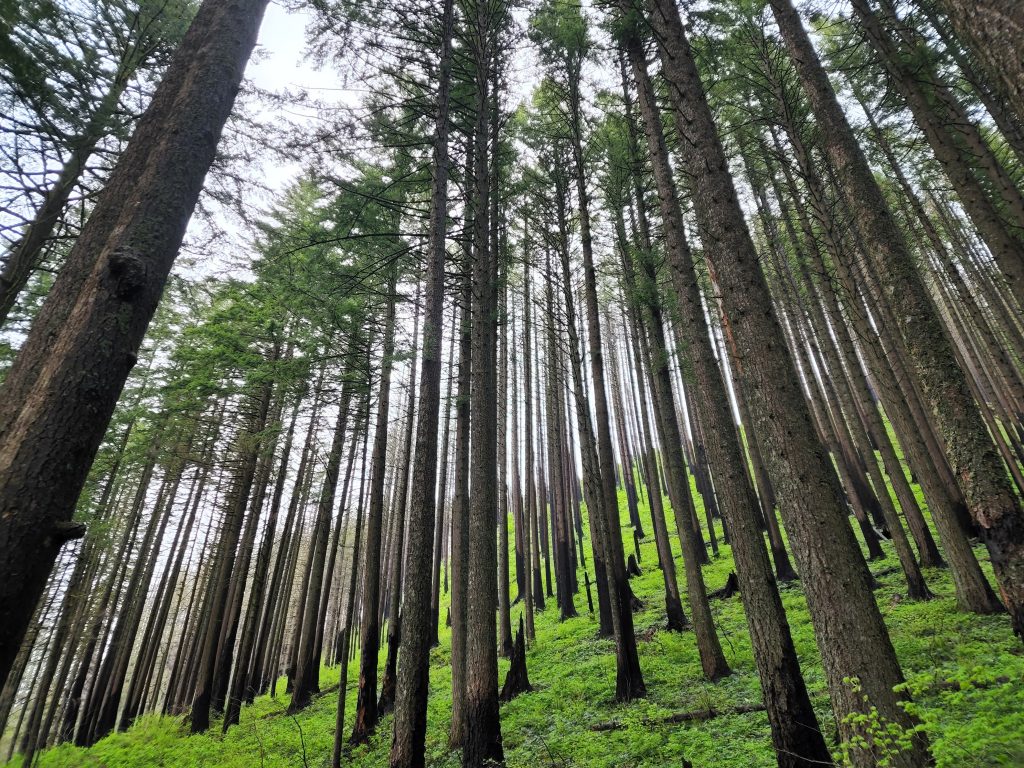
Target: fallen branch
x: 684, y: 717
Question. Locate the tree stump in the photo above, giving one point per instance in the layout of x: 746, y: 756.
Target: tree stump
x: 516, y: 681
x: 632, y: 569
x: 732, y: 587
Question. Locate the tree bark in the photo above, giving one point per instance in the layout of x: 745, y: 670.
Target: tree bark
x: 366, y: 703
x: 408, y: 739
x: 60, y: 393
x: 796, y: 735
x: 977, y: 465
x: 851, y: 634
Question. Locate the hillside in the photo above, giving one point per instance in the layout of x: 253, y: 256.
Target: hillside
x: 966, y: 674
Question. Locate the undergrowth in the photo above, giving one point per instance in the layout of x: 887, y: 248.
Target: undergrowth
x: 964, y: 672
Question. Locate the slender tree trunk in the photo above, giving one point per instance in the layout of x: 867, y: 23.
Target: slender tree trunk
x: 460, y: 514
x: 956, y: 142
x: 482, y: 738
x: 407, y: 744
x: 993, y: 30
x: 442, y: 494
x: 358, y: 554
x: 366, y: 704
x: 244, y: 672
x: 389, y: 679
x: 530, y: 545
x: 307, y: 667
x: 27, y: 253
x: 248, y: 446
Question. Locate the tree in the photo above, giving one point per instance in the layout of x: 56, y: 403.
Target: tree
x: 119, y: 45
x: 851, y: 635
x: 366, y: 706
x: 562, y: 36
x: 407, y: 746
x: 993, y: 30
x: 975, y: 462
x: 795, y: 730
x: 109, y: 288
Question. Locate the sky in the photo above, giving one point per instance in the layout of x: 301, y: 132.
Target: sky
x: 279, y: 65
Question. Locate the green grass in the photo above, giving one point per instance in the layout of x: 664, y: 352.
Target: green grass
x: 572, y: 671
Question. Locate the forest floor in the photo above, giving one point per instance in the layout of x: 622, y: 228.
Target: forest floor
x: 965, y: 673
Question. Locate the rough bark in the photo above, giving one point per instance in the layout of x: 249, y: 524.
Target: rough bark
x: 975, y: 462
x: 796, y: 735
x: 851, y: 634
x: 407, y: 743
x: 366, y: 704
x: 60, y: 393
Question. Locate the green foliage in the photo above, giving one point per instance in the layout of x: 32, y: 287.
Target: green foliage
x: 965, y: 674
x: 559, y: 30
x: 874, y: 734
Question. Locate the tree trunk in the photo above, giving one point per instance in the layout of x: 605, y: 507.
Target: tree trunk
x: 994, y: 32
x: 796, y: 734
x: 366, y: 703
x: 408, y: 740
x: 108, y: 289
x: 248, y: 446
x: 851, y: 634
x: 482, y: 738
x: 956, y: 142
x: 977, y: 465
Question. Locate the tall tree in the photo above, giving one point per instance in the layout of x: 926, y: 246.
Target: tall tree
x: 119, y: 45
x: 796, y: 735
x: 851, y: 635
x: 482, y: 737
x: 994, y: 32
x: 976, y: 464
x: 366, y: 705
x: 564, y: 42
x: 408, y: 739
x: 60, y: 393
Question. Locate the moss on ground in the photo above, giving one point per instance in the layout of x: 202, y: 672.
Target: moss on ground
x: 979, y: 722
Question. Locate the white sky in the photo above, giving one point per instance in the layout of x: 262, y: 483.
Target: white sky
x: 279, y: 65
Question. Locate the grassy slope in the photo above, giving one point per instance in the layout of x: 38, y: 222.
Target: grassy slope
x: 573, y: 674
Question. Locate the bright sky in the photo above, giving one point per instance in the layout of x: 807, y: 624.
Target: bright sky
x: 278, y: 65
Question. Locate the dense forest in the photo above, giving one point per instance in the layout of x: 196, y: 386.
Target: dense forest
x: 617, y: 383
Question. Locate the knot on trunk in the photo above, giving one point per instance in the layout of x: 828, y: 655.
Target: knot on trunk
x: 66, y: 530
x: 128, y: 269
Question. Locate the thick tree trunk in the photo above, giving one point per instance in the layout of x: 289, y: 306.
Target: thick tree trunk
x: 796, y: 735
x: 59, y: 395
x: 851, y: 634
x: 977, y: 465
